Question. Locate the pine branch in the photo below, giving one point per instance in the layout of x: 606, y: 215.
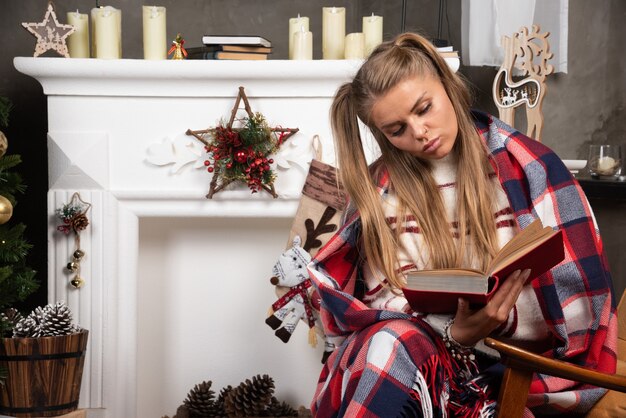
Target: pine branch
x: 5, y: 109
x: 13, y: 248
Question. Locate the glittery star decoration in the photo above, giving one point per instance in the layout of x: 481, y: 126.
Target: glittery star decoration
x: 50, y: 34
x: 242, y: 153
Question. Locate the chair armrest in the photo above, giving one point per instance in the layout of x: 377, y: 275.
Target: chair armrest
x: 521, y: 359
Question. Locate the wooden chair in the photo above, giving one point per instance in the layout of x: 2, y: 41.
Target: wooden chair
x: 521, y: 364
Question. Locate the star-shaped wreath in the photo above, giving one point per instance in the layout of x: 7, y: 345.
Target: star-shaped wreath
x: 242, y: 153
x: 50, y: 33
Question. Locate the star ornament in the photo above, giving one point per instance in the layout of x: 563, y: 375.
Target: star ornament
x: 50, y: 34
x: 243, y: 153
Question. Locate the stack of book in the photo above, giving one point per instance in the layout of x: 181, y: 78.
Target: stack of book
x: 232, y: 47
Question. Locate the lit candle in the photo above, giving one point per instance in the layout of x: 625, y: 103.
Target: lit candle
x: 355, y: 46
x: 154, y: 33
x: 302, y: 45
x: 373, y: 32
x: 333, y: 32
x: 107, y: 28
x: 78, y: 42
x: 295, y: 25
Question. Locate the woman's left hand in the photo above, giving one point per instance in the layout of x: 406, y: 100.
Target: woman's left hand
x: 471, y: 326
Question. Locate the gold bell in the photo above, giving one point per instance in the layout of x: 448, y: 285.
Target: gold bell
x: 77, y: 282
x: 78, y: 254
x: 72, y: 266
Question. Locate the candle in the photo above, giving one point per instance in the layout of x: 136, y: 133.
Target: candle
x: 296, y: 24
x: 606, y: 165
x: 302, y: 45
x: 78, y: 42
x: 333, y: 32
x: 106, y: 26
x: 154, y: 34
x: 355, y: 46
x: 373, y: 32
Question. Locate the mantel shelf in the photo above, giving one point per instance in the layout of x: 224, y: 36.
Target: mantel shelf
x: 186, y: 78
x: 189, y: 78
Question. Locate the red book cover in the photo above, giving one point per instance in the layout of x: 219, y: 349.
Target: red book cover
x: 539, y: 259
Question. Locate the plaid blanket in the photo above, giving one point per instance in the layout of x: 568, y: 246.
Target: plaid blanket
x: 575, y: 297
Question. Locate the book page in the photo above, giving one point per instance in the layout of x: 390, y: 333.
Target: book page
x: 522, y: 243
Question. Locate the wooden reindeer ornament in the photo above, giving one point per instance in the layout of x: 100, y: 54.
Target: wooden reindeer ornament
x: 520, y: 51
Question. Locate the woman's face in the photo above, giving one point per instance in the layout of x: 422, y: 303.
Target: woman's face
x: 417, y: 116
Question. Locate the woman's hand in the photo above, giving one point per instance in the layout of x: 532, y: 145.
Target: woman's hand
x: 470, y: 326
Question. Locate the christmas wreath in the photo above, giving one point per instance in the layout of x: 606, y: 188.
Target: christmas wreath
x: 242, y: 153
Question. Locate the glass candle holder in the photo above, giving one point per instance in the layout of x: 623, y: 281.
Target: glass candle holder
x: 605, y: 161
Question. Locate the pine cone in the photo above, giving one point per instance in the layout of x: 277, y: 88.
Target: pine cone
x: 182, y: 412
x: 11, y: 316
x: 79, y: 222
x: 250, y: 398
x: 8, y: 320
x: 221, y: 401
x: 56, y: 320
x: 280, y: 409
x: 200, y: 401
x: 26, y: 327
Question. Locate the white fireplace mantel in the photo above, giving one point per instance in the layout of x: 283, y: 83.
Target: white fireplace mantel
x: 108, y: 121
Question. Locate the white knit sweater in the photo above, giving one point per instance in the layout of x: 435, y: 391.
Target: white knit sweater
x: 525, y: 319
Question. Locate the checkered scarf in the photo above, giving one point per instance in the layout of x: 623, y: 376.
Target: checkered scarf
x: 575, y: 297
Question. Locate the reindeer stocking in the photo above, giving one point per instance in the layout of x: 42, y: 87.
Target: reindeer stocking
x: 317, y: 218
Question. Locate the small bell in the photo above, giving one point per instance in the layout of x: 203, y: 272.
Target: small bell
x: 72, y: 266
x: 77, y: 282
x: 78, y: 254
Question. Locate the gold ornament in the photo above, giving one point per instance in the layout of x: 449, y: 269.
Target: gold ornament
x: 4, y: 144
x: 179, y: 51
x: 6, y: 210
x: 77, y: 282
x: 50, y: 34
x: 74, y: 217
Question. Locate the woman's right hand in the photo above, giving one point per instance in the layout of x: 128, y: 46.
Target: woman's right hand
x: 471, y: 326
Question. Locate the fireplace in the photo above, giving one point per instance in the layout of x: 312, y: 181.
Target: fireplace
x: 177, y: 285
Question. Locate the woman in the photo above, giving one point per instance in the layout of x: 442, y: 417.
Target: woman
x: 450, y: 188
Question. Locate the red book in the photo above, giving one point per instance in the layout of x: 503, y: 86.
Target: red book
x: 436, y: 291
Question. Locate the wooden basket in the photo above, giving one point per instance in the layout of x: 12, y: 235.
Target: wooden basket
x: 44, y: 374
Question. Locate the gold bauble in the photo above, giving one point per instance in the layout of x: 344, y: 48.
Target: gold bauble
x: 6, y: 210
x: 77, y: 282
x: 4, y: 144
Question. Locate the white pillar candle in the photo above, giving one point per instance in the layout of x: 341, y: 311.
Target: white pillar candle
x: 333, y: 32
x: 302, y: 45
x: 355, y: 46
x: 107, y: 28
x: 154, y: 33
x: 373, y: 32
x: 295, y: 25
x: 78, y: 42
x: 606, y: 164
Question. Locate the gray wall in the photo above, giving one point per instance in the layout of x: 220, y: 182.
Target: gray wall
x: 585, y: 106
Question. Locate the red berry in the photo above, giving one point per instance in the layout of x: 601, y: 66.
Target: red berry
x: 207, y: 163
x: 271, y: 161
x: 210, y: 169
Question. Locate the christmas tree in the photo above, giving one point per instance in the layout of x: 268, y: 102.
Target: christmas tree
x: 17, y: 281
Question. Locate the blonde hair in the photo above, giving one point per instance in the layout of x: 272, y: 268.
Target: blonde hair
x: 417, y: 193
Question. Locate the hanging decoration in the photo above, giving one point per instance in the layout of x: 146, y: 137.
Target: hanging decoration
x: 243, y: 153
x: 74, y: 217
x: 179, y: 51
x: 6, y: 210
x: 50, y: 34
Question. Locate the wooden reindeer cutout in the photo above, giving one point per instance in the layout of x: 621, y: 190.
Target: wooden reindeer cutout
x: 520, y: 52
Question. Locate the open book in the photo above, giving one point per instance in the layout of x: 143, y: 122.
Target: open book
x: 436, y: 291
